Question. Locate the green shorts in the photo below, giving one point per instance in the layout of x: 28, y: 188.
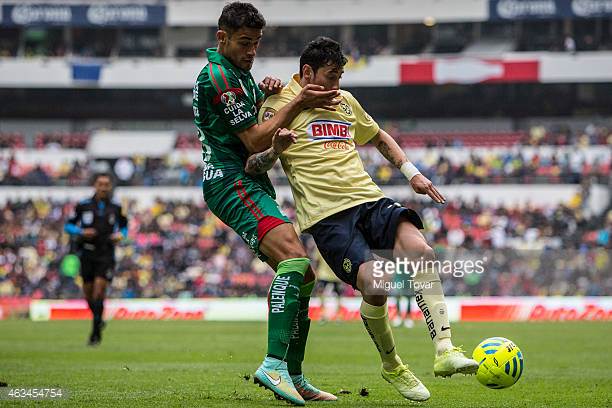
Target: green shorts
x: 247, y: 209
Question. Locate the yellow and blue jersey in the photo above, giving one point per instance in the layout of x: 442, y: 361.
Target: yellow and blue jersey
x: 323, y: 167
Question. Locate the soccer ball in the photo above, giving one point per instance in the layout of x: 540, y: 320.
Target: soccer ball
x: 501, y: 362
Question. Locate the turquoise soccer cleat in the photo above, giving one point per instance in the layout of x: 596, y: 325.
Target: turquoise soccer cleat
x: 273, y: 375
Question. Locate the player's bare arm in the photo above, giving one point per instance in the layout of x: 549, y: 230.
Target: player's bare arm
x: 258, y: 138
x: 260, y: 163
x: 388, y: 147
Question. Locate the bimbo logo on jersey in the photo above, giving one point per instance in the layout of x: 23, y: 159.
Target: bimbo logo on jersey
x: 328, y: 130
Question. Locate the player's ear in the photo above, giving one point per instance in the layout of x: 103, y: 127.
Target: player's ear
x: 308, y: 73
x: 221, y: 36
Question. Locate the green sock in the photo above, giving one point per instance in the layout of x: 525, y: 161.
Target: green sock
x: 299, y: 332
x: 283, y: 303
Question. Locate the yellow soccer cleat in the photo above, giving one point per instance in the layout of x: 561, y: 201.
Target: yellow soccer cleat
x: 453, y: 361
x: 406, y: 383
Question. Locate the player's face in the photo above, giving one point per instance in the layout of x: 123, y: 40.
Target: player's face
x: 103, y: 187
x: 240, y: 47
x: 328, y: 76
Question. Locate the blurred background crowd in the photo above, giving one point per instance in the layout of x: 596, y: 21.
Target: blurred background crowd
x: 539, y: 155
x: 478, y: 93
x: 179, y: 249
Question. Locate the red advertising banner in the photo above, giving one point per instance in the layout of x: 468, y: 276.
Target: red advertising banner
x: 14, y: 307
x: 469, y: 71
x: 474, y: 309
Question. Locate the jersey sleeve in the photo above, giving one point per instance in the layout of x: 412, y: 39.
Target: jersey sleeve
x: 122, y: 221
x: 260, y: 94
x: 365, y: 127
x: 227, y: 96
x: 272, y: 105
x: 72, y: 226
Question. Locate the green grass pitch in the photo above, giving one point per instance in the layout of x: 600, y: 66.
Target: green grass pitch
x: 205, y: 364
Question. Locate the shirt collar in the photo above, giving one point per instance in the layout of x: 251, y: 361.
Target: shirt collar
x: 215, y: 56
x: 294, y: 84
x: 95, y: 200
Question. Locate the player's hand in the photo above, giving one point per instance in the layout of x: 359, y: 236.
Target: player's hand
x: 270, y: 86
x: 282, y: 139
x: 116, y: 237
x: 421, y: 185
x: 89, y: 233
x: 315, y: 96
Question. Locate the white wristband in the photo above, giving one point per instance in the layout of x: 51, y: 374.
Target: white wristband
x: 409, y: 170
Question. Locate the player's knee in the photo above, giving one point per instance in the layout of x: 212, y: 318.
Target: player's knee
x: 426, y: 252
x: 375, y: 300
x: 369, y: 282
x: 419, y: 250
x: 292, y: 248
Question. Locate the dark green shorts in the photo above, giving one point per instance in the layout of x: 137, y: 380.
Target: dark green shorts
x: 247, y: 209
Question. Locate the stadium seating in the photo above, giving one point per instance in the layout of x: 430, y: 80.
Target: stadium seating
x: 77, y: 140
x: 12, y: 140
x: 179, y: 249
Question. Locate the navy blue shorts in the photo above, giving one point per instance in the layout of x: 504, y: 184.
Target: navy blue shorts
x: 351, y: 237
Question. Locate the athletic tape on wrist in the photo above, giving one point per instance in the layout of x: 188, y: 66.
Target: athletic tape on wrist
x: 409, y: 170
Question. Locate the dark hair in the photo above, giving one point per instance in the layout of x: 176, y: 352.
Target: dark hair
x: 320, y: 52
x: 96, y: 176
x: 237, y: 15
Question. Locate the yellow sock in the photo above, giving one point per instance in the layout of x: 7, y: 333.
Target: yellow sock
x: 429, y: 296
x: 376, y: 322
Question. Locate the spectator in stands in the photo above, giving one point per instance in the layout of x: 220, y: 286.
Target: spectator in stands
x: 569, y: 44
x: 180, y: 250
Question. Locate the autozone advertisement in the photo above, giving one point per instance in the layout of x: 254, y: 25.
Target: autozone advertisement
x: 14, y: 307
x: 255, y: 309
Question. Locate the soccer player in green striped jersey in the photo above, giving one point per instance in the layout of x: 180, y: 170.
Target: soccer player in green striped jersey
x: 225, y: 103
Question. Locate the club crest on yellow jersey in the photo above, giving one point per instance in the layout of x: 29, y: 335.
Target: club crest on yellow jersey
x: 346, y: 108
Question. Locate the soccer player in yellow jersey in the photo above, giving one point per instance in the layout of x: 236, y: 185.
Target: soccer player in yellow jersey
x: 348, y: 215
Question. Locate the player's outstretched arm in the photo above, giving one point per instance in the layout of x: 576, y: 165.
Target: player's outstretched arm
x: 389, y: 148
x: 260, y: 163
x: 258, y: 138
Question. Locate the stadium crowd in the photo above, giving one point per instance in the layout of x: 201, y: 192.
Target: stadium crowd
x: 557, y: 134
x: 511, y: 165
x: 179, y: 249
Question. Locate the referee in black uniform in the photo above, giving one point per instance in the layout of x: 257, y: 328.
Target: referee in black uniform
x: 97, y: 224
